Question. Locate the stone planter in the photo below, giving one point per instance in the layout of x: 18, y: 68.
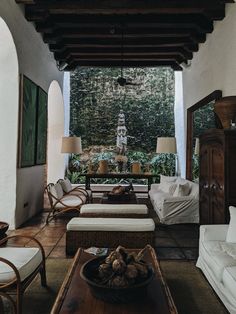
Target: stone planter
x: 225, y: 109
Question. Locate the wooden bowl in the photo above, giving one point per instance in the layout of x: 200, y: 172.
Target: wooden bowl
x: 105, y: 293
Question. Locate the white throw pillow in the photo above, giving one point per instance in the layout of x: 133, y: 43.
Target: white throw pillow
x: 172, y: 188
x: 58, y: 189
x: 168, y: 187
x: 66, y: 185
x: 182, y: 190
x: 231, y: 234
x: 167, y: 179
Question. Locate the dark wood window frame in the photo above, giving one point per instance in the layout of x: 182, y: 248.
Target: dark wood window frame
x: 217, y: 94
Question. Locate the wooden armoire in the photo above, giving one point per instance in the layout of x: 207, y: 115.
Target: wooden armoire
x: 217, y: 178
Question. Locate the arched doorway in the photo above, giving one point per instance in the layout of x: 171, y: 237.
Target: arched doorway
x: 55, y: 159
x: 9, y: 95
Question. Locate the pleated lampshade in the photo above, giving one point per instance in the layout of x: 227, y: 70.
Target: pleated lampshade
x: 166, y: 145
x: 71, y: 144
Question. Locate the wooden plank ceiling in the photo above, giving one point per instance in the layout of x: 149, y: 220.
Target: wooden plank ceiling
x: 130, y: 33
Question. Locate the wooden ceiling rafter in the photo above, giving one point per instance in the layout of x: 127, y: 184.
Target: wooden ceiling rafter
x: 150, y: 32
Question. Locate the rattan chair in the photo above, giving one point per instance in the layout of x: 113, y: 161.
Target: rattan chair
x: 18, y: 267
x: 61, y: 203
x: 68, y: 189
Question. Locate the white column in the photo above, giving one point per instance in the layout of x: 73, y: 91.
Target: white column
x: 180, y: 127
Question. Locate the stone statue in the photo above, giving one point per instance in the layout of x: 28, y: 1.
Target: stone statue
x: 121, y: 140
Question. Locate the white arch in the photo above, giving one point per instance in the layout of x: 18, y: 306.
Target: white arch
x: 9, y: 96
x: 55, y: 159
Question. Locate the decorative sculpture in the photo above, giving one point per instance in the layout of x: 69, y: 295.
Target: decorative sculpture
x: 121, y: 140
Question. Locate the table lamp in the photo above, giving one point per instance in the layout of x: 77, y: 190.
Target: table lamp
x: 71, y: 145
x: 167, y: 145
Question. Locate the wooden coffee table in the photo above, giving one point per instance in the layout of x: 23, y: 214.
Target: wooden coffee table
x: 132, y: 199
x: 75, y: 297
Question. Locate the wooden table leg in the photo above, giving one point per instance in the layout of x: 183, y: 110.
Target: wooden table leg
x: 87, y: 183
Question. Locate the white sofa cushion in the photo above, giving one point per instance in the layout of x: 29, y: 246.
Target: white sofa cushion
x: 110, y: 224
x: 194, y: 189
x: 26, y: 260
x: 182, y: 189
x: 114, y: 208
x: 229, y: 279
x: 231, y: 234
x: 71, y: 200
x: 215, y: 257
x: 213, y: 233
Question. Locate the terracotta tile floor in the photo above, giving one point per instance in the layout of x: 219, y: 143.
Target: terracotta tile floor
x: 172, y: 242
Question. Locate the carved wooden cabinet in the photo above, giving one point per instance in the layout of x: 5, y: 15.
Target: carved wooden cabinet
x: 217, y: 179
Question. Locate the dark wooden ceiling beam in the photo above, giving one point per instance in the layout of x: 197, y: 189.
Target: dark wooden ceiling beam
x: 60, y: 46
x: 196, y: 21
x: 104, y: 7
x: 65, y: 53
x: 127, y: 42
x: 138, y: 64
x: 144, y: 32
x: 81, y: 31
x: 96, y: 34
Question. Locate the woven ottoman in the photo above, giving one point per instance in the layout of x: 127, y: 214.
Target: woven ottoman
x: 114, y: 210
x: 109, y: 232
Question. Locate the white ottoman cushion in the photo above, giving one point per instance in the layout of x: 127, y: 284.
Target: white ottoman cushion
x: 71, y: 200
x: 114, y: 209
x: 26, y: 260
x: 110, y: 224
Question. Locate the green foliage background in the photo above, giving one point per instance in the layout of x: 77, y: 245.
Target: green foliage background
x: 96, y: 99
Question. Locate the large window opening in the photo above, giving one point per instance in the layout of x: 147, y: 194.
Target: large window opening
x: 147, y: 102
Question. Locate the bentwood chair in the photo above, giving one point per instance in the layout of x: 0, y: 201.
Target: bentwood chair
x: 61, y: 203
x: 18, y: 267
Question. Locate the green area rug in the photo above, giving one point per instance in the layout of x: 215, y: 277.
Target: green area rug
x: 190, y: 291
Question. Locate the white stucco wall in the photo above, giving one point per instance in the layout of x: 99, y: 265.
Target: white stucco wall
x: 66, y: 97
x: 56, y: 118
x: 37, y: 63
x: 9, y: 96
x: 213, y: 66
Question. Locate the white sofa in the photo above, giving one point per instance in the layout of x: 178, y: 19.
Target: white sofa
x: 217, y: 260
x: 173, y: 209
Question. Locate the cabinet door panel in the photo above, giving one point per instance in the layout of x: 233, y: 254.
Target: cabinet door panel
x: 217, y: 184
x: 205, y: 217
x: 204, y: 187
